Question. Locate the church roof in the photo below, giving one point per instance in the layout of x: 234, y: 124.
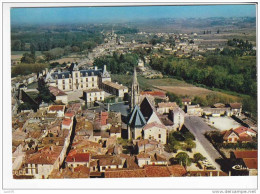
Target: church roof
x: 147, y: 108
x: 137, y: 119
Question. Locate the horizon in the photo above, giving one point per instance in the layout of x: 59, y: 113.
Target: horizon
x: 79, y: 15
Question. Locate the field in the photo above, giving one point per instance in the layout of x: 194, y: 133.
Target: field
x: 17, y: 55
x: 178, y: 87
x: 66, y: 60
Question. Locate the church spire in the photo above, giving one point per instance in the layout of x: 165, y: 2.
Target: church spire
x: 135, y: 95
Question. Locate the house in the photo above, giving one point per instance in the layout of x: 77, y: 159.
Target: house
x: 236, y: 108
x: 92, y: 95
x: 165, y: 107
x: 125, y: 173
x: 156, y: 171
x: 59, y: 94
x: 111, y: 162
x: 41, y: 163
x: 177, y: 170
x: 115, y: 131
x: 194, y: 110
x: 240, y: 134
x: 77, y: 172
x: 186, y: 101
x: 114, y: 88
x: 75, y: 159
x: 59, y: 109
x: 244, y: 162
x: 67, y: 124
x: 143, y: 159
x: 146, y: 145
x: 156, y: 132
x: 177, y: 117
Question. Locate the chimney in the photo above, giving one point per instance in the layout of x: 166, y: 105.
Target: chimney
x: 105, y: 68
x: 210, y: 173
x: 59, y: 71
x: 95, y: 67
x: 218, y: 173
x: 229, y: 173
x: 46, y: 70
x: 51, y: 148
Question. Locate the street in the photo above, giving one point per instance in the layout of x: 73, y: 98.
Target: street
x: 198, y: 127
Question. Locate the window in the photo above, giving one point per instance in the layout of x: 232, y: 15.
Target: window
x: 92, y: 78
x: 159, y: 135
x: 92, y: 85
x: 86, y: 79
x: 76, y: 74
x: 63, y: 87
x: 86, y: 85
x: 70, y: 86
x: 77, y: 81
x: 63, y: 81
x: 70, y: 81
x: 103, y: 168
x: 150, y: 136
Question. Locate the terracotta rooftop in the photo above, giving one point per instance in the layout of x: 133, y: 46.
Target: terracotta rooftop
x: 66, y: 122
x: 69, y: 114
x: 114, y: 160
x: 47, y: 155
x: 243, y: 129
x: 56, y: 108
x: 78, y: 157
x: 125, y: 173
x: 246, y: 154
x: 250, y: 163
x: 177, y: 170
x: 153, y: 93
x: 186, y: 100
x: 154, y: 124
x: 157, y: 171
x: 143, y: 155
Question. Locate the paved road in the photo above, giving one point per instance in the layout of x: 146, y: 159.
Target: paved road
x: 198, y: 127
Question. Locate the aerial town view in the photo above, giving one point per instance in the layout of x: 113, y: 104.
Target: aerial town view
x: 132, y: 92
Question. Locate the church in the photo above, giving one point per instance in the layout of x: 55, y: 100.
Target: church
x: 145, y: 122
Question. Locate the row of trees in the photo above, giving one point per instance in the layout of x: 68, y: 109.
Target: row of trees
x: 45, y: 41
x: 230, y: 73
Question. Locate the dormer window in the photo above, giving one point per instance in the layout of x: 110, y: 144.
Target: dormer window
x: 63, y: 76
x: 69, y: 75
x: 56, y: 76
x: 81, y: 74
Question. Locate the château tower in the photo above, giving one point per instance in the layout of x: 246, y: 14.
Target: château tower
x: 135, y: 94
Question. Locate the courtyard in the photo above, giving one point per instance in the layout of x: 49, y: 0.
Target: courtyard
x: 222, y: 123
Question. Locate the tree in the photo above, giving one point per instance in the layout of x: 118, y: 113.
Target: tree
x: 183, y: 159
x: 198, y: 157
x: 28, y: 58
x: 189, y: 144
x: 174, y: 98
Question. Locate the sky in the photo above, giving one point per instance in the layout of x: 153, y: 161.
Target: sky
x: 63, y: 15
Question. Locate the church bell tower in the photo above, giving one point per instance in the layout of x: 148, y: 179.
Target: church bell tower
x: 135, y: 93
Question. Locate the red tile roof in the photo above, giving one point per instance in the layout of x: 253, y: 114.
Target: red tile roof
x: 235, y: 105
x: 243, y: 129
x: 66, y: 122
x: 157, y: 171
x: 56, y: 108
x: 47, y: 155
x: 125, y: 173
x: 186, y: 100
x: 154, y: 124
x: 246, y: 154
x: 78, y: 157
x: 250, y: 163
x: 177, y: 170
x: 154, y: 93
x: 69, y: 114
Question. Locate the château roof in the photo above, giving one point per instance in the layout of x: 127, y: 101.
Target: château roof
x: 137, y: 119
